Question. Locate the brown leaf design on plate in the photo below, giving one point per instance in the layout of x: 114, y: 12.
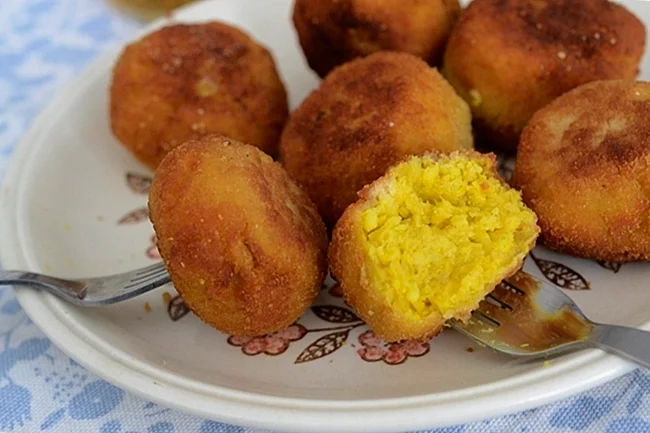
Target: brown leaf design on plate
x: 334, y: 314
x: 612, y: 266
x: 177, y: 309
x: 135, y: 216
x: 561, y: 275
x: 324, y: 346
x: 138, y: 183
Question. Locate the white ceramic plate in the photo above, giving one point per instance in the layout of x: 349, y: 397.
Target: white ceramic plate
x: 71, y: 206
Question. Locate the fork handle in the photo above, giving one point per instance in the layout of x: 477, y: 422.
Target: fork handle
x: 58, y: 286
x: 631, y: 343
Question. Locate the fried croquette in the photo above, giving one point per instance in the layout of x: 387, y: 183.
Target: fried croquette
x: 367, y: 115
x: 186, y: 81
x: 509, y: 58
x: 584, y: 167
x: 243, y: 244
x: 428, y: 241
x: 332, y: 32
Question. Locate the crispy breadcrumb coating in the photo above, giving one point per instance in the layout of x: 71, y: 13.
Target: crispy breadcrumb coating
x: 509, y: 58
x: 185, y: 81
x: 584, y: 167
x: 244, y: 245
x: 367, y: 115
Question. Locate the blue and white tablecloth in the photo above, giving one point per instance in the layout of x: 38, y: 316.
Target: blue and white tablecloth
x: 43, y: 44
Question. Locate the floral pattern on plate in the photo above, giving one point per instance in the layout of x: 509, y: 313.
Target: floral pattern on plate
x: 374, y: 349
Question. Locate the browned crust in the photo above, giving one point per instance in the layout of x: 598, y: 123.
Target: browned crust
x: 521, y: 54
x: 347, y: 264
x: 332, y: 32
x: 583, y: 166
x: 154, y: 105
x: 244, y: 245
x: 366, y: 115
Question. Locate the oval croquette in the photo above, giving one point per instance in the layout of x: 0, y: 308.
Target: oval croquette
x: 185, y: 81
x: 584, y: 167
x: 243, y: 244
x: 365, y: 116
x: 428, y: 241
x: 332, y: 32
x: 509, y: 58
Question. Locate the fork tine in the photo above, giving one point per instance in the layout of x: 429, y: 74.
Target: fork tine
x: 498, y: 302
x: 504, y: 299
x: 513, y: 287
x: 156, y: 281
x: 522, y: 283
x: 153, y: 274
x: 485, y: 318
x: 144, y: 281
x: 149, y: 269
x: 490, y: 310
x: 504, y: 294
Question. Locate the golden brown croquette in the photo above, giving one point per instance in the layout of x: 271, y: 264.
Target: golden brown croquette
x: 428, y: 241
x: 332, y: 32
x: 584, y: 167
x: 243, y: 244
x: 367, y: 115
x: 185, y: 81
x: 509, y: 58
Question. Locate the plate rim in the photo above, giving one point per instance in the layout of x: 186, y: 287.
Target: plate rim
x: 567, y: 377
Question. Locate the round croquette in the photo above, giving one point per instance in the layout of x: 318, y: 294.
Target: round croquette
x: 427, y: 241
x: 243, y: 244
x: 584, y: 167
x: 509, y: 58
x: 367, y: 115
x: 332, y: 32
x: 185, y: 81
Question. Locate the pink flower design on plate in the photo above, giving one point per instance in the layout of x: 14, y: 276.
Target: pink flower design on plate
x: 152, y: 251
x: 273, y: 344
x: 375, y: 349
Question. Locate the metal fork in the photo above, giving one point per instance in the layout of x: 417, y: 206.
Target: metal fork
x: 526, y: 317
x: 92, y: 292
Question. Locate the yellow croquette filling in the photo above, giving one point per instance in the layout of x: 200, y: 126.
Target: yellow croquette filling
x: 442, y: 231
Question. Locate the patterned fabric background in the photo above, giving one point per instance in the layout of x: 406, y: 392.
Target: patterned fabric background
x: 43, y: 44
